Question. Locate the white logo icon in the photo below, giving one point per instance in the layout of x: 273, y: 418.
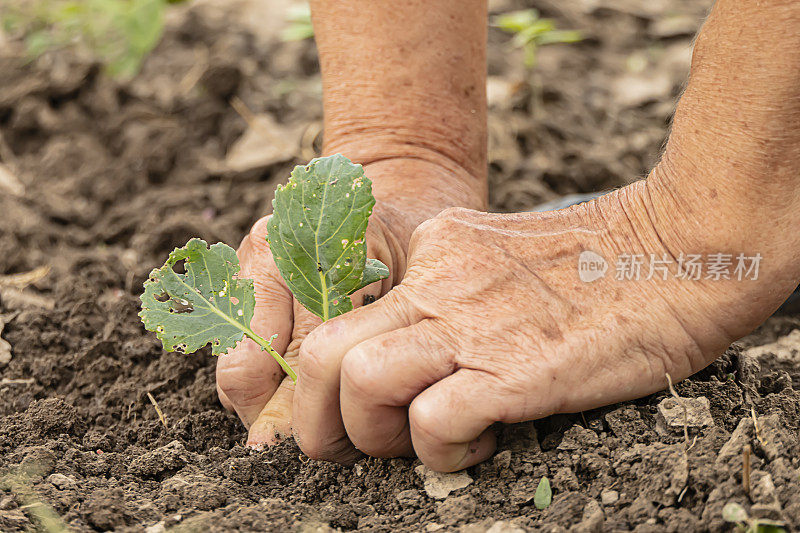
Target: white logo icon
x: 591, y: 266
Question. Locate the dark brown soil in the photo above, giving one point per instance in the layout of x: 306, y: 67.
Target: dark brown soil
x: 114, y: 175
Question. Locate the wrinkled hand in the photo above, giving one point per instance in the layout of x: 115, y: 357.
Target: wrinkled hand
x: 492, y: 324
x: 249, y: 381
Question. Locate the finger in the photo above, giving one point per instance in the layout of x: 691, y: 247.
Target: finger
x: 274, y: 422
x: 247, y: 376
x: 224, y: 400
x: 318, y: 426
x: 381, y: 376
x: 450, y: 420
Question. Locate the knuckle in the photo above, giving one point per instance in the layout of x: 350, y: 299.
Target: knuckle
x: 429, y: 228
x: 314, y: 355
x: 258, y: 236
x: 362, y: 374
x: 399, y: 303
x: 240, y: 387
x: 440, y: 228
x: 426, y: 421
x: 242, y: 384
x: 455, y: 213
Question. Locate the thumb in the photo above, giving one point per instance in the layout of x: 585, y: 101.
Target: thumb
x: 247, y: 376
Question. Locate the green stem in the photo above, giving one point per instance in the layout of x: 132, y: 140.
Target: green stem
x: 265, y: 344
x: 325, y: 314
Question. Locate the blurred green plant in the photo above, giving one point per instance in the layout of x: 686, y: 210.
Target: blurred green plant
x: 531, y: 31
x: 299, y: 28
x: 736, y: 514
x: 19, y: 482
x: 119, y: 32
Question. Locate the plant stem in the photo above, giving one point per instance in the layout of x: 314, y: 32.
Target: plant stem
x: 265, y: 344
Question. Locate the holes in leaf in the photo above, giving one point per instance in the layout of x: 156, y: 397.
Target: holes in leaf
x: 163, y: 297
x: 181, y: 306
x: 234, y: 300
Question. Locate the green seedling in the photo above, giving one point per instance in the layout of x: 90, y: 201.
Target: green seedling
x: 736, y: 514
x: 316, y: 234
x: 298, y: 28
x: 543, y: 495
x: 120, y: 33
x: 531, y: 31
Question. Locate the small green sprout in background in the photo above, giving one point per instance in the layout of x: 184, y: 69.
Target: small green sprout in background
x: 299, y: 28
x: 531, y: 31
x: 736, y: 514
x: 120, y: 33
x: 543, y: 495
x: 317, y: 237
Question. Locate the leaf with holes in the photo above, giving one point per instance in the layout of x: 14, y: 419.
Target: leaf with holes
x: 206, y: 305
x: 317, y: 231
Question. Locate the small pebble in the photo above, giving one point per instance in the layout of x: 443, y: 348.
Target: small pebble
x: 60, y: 481
x: 609, y: 497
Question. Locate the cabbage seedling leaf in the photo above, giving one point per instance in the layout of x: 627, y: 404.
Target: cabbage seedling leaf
x: 205, y: 305
x: 316, y: 234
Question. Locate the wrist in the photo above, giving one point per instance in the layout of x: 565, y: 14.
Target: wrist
x: 409, y: 191
x: 413, y: 185
x: 697, y: 211
x: 420, y: 172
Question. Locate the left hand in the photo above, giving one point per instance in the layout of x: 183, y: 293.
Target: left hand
x: 248, y: 380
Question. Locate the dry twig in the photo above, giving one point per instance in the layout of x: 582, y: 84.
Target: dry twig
x: 674, y: 393
x: 158, y: 410
x: 746, y: 468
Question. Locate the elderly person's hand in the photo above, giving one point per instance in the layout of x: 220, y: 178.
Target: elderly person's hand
x: 493, y: 323
x: 248, y: 380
